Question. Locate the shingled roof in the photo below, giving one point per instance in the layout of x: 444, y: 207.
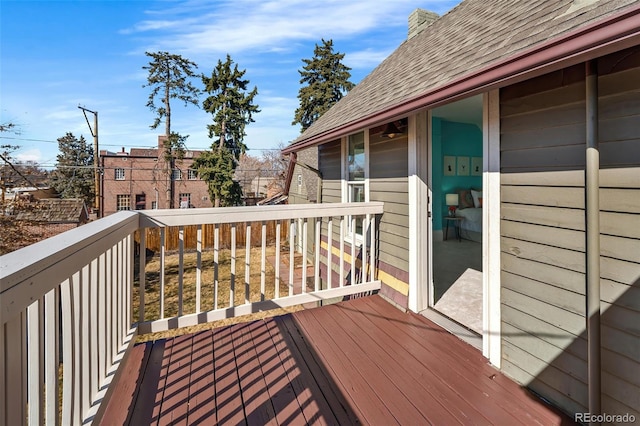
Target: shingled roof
x: 467, y: 40
x: 53, y: 210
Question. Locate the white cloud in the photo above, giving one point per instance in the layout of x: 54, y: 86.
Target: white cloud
x: 33, y: 154
x: 368, y: 58
x: 241, y: 25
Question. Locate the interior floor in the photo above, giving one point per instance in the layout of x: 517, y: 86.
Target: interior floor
x: 457, y: 278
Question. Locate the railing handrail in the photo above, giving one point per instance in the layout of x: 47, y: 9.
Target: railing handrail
x: 46, y: 263
x: 184, y: 217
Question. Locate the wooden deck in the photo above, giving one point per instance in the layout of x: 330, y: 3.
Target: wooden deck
x: 357, y: 362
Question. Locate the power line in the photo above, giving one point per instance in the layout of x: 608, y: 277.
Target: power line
x: 133, y: 146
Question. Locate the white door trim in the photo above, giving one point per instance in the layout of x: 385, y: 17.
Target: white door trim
x: 419, y: 229
x: 491, y: 342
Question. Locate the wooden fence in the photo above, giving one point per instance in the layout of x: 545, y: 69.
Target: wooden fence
x: 190, y: 235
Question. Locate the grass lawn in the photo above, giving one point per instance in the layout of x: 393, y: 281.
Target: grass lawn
x: 152, y: 288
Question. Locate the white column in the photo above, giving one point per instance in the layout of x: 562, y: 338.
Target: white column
x: 491, y: 228
x: 418, y: 212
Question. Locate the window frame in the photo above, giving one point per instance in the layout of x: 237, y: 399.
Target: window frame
x: 120, y: 174
x: 192, y: 174
x: 120, y: 204
x: 186, y: 195
x: 348, y: 185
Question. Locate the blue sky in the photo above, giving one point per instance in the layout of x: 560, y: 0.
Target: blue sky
x: 56, y: 55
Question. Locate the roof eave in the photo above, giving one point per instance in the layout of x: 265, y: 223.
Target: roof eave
x: 617, y: 32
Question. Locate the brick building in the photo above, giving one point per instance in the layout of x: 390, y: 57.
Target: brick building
x: 137, y: 180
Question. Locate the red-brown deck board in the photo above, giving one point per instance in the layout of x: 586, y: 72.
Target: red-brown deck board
x: 361, y: 361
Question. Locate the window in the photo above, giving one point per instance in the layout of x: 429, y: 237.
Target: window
x: 356, y: 171
x: 119, y: 174
x: 123, y: 202
x: 299, y: 184
x: 176, y: 175
x: 154, y: 205
x: 185, y: 201
x: 141, y: 202
x: 192, y: 174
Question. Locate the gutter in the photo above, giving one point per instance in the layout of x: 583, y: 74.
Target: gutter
x: 617, y: 32
x: 592, y: 218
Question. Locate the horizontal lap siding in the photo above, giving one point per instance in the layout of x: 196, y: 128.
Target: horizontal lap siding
x: 543, y: 237
x: 619, y: 134
x: 388, y: 182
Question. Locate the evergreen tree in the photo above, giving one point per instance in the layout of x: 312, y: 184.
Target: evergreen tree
x: 168, y: 78
x: 216, y: 167
x: 73, y: 177
x: 232, y: 108
x: 326, y: 81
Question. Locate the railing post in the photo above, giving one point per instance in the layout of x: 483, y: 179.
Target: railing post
x: 163, y: 254
x: 247, y: 265
x: 142, y: 274
x: 216, y: 249
x: 292, y: 253
x: 316, y: 268
x: 304, y: 255
x: 277, y: 266
x: 263, y: 262
x: 180, y: 270
x: 198, y: 266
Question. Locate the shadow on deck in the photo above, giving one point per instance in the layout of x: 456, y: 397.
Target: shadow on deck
x: 361, y: 361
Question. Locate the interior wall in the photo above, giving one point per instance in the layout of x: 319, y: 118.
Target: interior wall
x: 452, y: 139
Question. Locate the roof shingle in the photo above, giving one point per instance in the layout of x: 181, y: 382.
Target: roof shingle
x: 470, y: 37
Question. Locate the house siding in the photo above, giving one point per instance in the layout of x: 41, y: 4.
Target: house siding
x: 388, y: 182
x: 543, y: 234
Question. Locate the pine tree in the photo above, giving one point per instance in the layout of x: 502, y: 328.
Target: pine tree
x: 168, y: 78
x: 232, y: 108
x: 326, y: 81
x: 216, y: 167
x: 73, y: 177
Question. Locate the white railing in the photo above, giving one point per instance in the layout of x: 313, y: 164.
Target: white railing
x: 65, y: 315
x: 292, y: 219
x: 66, y: 303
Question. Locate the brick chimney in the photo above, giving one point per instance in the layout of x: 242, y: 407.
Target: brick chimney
x: 161, y: 139
x: 419, y: 20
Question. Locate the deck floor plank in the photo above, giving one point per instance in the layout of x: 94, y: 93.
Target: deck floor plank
x: 440, y: 405
x: 390, y: 383
x: 202, y: 394
x: 257, y: 405
x: 176, y: 391
x: 468, y: 363
x: 319, y: 391
x: 341, y: 360
x: 357, y: 362
x: 145, y: 403
x: 230, y: 409
x: 278, y: 387
x: 162, y: 380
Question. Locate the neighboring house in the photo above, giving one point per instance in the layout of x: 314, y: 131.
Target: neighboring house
x: 138, y: 180
x: 304, y: 188
x: 53, y: 216
x: 529, y: 113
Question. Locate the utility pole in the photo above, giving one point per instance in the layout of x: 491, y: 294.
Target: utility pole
x: 94, y: 133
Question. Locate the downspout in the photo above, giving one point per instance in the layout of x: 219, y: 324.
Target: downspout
x: 592, y: 187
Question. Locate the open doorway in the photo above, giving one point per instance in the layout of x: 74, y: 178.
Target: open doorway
x: 456, y: 176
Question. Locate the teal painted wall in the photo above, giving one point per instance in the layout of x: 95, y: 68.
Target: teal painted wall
x: 454, y: 139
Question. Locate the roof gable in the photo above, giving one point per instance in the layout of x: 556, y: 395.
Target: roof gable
x: 469, y: 38
x: 52, y: 210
